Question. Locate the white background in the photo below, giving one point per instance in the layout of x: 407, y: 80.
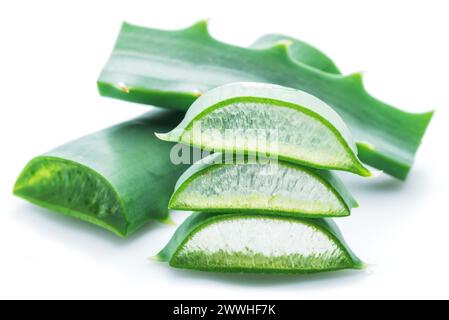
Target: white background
x: 51, y: 53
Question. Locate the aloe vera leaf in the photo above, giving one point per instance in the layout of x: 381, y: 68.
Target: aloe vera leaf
x: 299, y: 50
x: 258, y: 243
x: 283, y: 188
x: 172, y: 69
x: 118, y: 178
x: 306, y: 130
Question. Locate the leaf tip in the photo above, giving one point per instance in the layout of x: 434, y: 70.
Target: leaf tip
x: 285, y: 43
x: 129, y: 28
x: 366, y: 145
x: 360, y: 169
x: 355, y: 79
x: 126, y: 25
x: 429, y: 115
x: 156, y: 258
x: 362, y: 266
x: 376, y: 174
x: 163, y: 136
x: 281, y: 47
x: 200, y: 28
x: 365, y: 172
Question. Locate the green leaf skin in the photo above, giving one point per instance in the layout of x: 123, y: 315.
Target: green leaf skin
x: 300, y: 51
x: 172, y: 68
x: 118, y: 178
x: 258, y: 243
x: 308, y: 132
x: 283, y: 188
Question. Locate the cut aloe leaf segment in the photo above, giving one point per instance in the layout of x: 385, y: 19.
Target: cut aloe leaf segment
x: 118, y: 178
x: 173, y: 68
x: 258, y: 243
x: 302, y: 128
x: 283, y: 188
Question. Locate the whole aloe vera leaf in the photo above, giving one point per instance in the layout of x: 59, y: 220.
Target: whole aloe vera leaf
x: 294, y: 125
x: 300, y: 51
x: 255, y: 243
x: 172, y: 69
x: 283, y: 188
x: 118, y: 178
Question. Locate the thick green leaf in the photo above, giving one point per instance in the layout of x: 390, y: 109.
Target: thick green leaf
x: 172, y: 68
x: 299, y: 50
x: 257, y: 118
x: 118, y: 178
x: 258, y: 244
x: 283, y: 188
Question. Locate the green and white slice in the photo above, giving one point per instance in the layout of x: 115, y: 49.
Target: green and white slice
x: 283, y: 188
x: 303, y: 129
x: 118, y: 178
x: 257, y: 243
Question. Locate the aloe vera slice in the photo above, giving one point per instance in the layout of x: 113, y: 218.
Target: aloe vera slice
x: 280, y: 188
x: 307, y: 131
x: 118, y: 178
x: 173, y: 68
x: 258, y: 244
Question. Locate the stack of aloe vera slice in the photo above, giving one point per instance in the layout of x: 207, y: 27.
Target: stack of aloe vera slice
x: 252, y: 216
x: 266, y: 213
